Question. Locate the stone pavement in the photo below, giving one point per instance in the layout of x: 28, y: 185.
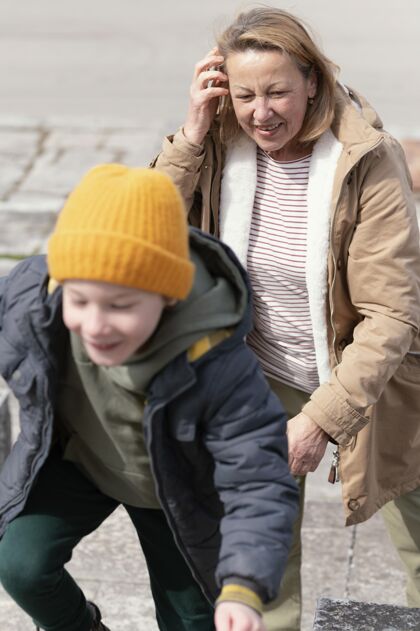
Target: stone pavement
x: 40, y: 161
x: 334, y: 614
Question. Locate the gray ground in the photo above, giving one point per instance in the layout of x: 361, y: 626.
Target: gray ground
x: 95, y: 80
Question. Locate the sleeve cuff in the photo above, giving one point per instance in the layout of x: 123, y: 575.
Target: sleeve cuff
x: 179, y: 144
x: 192, y: 146
x: 240, y: 594
x: 334, y: 415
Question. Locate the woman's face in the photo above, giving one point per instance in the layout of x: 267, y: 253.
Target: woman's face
x: 270, y: 96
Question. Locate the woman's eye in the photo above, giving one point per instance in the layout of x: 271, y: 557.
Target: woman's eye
x: 277, y: 95
x: 244, y: 97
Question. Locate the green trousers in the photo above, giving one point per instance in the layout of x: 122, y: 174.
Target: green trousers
x: 402, y: 519
x: 64, y: 507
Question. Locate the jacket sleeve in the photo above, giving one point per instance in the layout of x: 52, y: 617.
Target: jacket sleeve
x: 383, y: 272
x: 246, y: 435
x: 182, y: 161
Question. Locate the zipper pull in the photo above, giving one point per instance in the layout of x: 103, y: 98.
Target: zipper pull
x: 334, y: 475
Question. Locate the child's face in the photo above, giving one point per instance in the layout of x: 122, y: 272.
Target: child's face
x: 113, y: 321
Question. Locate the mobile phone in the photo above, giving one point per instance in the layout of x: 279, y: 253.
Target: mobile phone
x: 211, y: 82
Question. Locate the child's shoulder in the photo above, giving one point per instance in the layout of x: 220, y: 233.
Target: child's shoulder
x: 29, y: 269
x: 23, y: 280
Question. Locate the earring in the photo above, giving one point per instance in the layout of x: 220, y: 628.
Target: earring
x: 310, y: 100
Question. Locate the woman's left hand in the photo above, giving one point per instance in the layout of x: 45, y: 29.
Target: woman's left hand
x: 307, y: 444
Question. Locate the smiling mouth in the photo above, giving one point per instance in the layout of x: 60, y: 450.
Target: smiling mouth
x: 267, y: 127
x: 102, y: 347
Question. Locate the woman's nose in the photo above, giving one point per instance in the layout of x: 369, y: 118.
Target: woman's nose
x: 262, y: 111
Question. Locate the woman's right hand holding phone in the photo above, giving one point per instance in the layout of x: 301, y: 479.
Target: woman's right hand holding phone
x: 208, y: 85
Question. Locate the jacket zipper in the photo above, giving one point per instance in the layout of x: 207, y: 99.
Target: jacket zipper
x: 163, y: 503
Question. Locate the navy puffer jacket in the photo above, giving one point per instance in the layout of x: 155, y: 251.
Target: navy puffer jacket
x: 214, y: 430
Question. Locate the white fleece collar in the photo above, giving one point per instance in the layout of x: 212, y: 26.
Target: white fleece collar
x: 238, y: 186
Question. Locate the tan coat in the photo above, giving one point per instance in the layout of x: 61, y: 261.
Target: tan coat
x: 370, y: 402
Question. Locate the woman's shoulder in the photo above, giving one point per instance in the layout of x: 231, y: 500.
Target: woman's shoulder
x: 359, y: 128
x: 355, y: 121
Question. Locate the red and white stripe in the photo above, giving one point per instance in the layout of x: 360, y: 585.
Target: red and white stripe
x: 282, y: 337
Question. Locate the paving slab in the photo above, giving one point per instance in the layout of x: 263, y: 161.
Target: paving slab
x: 24, y: 232
x: 57, y: 171
x: 12, y: 171
x: 339, y: 615
x: 326, y: 548
x: 19, y: 142
x: 375, y: 563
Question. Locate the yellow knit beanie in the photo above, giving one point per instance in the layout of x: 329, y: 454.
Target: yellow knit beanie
x: 125, y: 226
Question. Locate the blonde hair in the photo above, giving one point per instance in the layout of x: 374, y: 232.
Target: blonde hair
x: 267, y: 28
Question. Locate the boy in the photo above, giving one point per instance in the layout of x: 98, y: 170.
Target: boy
x: 136, y: 387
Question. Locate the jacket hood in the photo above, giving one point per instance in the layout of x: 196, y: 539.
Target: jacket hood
x: 355, y: 120
x: 219, y: 299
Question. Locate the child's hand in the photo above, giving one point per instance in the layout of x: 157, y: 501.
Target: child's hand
x: 232, y: 616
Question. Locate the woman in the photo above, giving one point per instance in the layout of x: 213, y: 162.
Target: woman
x: 295, y: 172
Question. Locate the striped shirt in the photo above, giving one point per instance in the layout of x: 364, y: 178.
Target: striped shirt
x: 282, y: 335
